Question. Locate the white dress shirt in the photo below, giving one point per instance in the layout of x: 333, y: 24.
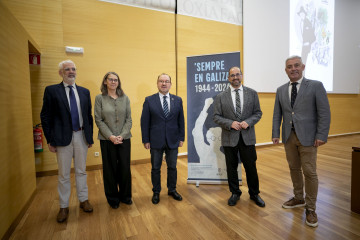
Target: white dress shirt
x: 162, y: 100
x: 297, y: 87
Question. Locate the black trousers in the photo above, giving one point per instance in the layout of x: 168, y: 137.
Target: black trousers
x: 248, y: 158
x: 156, y: 162
x: 116, y: 170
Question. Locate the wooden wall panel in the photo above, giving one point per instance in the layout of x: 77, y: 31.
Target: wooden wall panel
x: 345, y: 116
x: 17, y: 178
x: 43, y: 21
x: 136, y: 43
x: 345, y: 113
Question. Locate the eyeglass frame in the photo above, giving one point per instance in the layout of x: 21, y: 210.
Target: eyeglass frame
x: 166, y: 81
x: 112, y: 80
x: 236, y: 75
x: 68, y: 69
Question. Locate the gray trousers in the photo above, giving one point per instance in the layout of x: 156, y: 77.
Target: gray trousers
x: 76, y: 150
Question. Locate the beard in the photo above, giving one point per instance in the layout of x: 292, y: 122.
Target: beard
x: 69, y: 80
x: 235, y: 83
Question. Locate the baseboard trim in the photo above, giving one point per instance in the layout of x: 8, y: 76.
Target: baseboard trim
x: 343, y: 134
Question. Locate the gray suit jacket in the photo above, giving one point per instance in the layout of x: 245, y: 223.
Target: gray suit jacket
x: 310, y: 114
x: 224, y: 115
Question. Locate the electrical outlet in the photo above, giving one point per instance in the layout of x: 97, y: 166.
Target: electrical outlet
x: 96, y: 154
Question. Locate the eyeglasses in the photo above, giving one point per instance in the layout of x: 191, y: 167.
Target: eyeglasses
x: 112, y: 79
x: 68, y: 69
x: 167, y: 82
x: 236, y: 75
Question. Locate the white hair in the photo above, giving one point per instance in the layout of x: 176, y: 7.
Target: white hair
x: 61, y: 64
x: 293, y: 57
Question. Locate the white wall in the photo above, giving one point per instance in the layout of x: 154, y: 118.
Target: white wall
x: 266, y: 44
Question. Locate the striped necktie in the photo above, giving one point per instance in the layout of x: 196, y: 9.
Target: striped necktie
x: 165, y: 106
x: 238, y: 105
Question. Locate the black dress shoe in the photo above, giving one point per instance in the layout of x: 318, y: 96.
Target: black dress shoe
x: 233, y: 199
x: 257, y: 199
x: 114, y: 206
x: 127, y: 201
x: 156, y: 198
x: 175, y: 195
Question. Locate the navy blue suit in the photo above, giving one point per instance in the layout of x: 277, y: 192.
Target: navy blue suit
x: 158, y: 130
x: 56, y: 118
x: 164, y: 135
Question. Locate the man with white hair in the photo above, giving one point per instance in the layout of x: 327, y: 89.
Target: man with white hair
x: 303, y: 112
x: 68, y: 128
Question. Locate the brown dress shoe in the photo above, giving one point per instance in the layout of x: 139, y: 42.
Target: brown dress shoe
x: 62, y: 215
x: 293, y: 203
x: 86, y: 206
x: 311, y: 218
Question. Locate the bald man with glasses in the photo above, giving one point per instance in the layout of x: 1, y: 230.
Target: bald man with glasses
x: 237, y: 110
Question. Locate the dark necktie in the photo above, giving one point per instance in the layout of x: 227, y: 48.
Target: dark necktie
x: 166, y: 107
x: 238, y: 105
x: 74, y: 110
x: 293, y: 93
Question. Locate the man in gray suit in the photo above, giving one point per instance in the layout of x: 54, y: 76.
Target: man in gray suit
x: 304, y: 110
x: 237, y: 110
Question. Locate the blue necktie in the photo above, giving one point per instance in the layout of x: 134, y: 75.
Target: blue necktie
x: 166, y: 107
x: 74, y: 110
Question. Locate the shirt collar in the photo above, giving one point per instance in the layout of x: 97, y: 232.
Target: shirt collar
x: 233, y: 89
x: 65, y: 84
x: 298, y: 81
x: 162, y: 95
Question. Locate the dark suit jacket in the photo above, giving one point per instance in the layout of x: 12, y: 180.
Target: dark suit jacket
x: 158, y: 130
x: 56, y: 118
x: 224, y: 115
x: 310, y: 114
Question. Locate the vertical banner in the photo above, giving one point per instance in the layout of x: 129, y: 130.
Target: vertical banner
x: 207, y: 76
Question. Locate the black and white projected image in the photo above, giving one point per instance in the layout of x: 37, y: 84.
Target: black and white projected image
x: 312, y: 37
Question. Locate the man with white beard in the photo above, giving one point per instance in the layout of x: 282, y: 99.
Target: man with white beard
x: 68, y: 128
